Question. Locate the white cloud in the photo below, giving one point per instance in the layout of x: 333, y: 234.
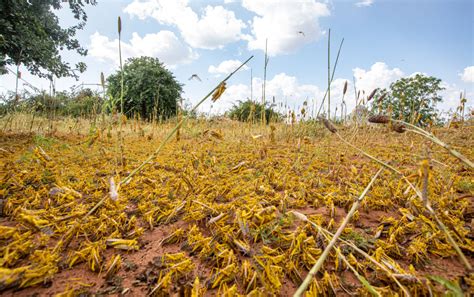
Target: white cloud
x: 451, y: 97
x: 468, y: 74
x: 378, y: 76
x: 280, y: 21
x: 364, y: 3
x: 163, y: 45
x: 226, y: 67
x: 214, y: 29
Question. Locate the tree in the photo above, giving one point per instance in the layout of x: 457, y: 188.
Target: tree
x: 149, y: 88
x: 412, y: 99
x: 249, y: 111
x: 30, y: 34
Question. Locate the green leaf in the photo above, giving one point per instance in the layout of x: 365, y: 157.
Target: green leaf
x: 452, y: 286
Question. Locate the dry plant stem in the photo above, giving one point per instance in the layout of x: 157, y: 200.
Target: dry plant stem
x: 327, y: 233
x: 362, y: 279
x: 436, y: 140
x: 328, y: 248
x: 329, y: 74
x: 419, y: 194
x: 450, y: 239
x: 121, y: 93
x: 264, y: 84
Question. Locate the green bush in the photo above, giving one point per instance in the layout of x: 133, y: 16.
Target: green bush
x: 149, y: 88
x: 251, y: 111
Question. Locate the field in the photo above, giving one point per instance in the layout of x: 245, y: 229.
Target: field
x: 231, y: 208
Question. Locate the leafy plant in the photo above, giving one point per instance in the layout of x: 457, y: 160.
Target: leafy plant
x: 148, y: 88
x: 452, y: 287
x: 411, y: 99
x: 33, y: 37
x: 252, y: 111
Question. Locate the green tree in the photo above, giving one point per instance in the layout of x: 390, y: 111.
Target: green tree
x: 31, y: 35
x: 412, y: 99
x: 149, y: 88
x: 248, y: 111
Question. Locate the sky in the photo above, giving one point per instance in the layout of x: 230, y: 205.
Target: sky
x: 384, y: 40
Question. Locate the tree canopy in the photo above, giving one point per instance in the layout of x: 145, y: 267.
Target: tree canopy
x: 411, y: 99
x: 149, y: 88
x: 31, y: 35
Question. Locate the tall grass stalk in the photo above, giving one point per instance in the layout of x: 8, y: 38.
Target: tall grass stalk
x: 265, y: 64
x: 332, y: 77
x: 329, y: 74
x: 338, y: 233
x: 119, y: 24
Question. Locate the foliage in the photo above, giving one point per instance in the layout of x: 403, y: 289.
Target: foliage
x: 149, y: 88
x: 252, y: 111
x: 452, y: 287
x: 82, y: 103
x: 411, y: 99
x: 33, y: 37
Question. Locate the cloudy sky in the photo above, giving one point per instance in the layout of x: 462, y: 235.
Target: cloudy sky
x: 384, y: 40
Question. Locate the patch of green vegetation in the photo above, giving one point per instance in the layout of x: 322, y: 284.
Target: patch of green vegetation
x: 465, y: 186
x: 358, y: 239
x: 47, y: 177
x: 43, y: 141
x: 453, y: 288
x: 25, y: 157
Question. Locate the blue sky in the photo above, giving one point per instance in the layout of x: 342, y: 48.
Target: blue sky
x: 383, y: 41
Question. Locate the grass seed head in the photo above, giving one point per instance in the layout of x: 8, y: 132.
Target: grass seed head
x: 372, y: 95
x: 119, y: 25
x: 379, y: 119
x: 381, y: 98
x: 328, y: 125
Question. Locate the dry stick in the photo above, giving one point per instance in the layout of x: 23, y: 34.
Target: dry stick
x: 327, y: 233
x: 328, y: 248
x: 436, y: 140
x: 419, y: 194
